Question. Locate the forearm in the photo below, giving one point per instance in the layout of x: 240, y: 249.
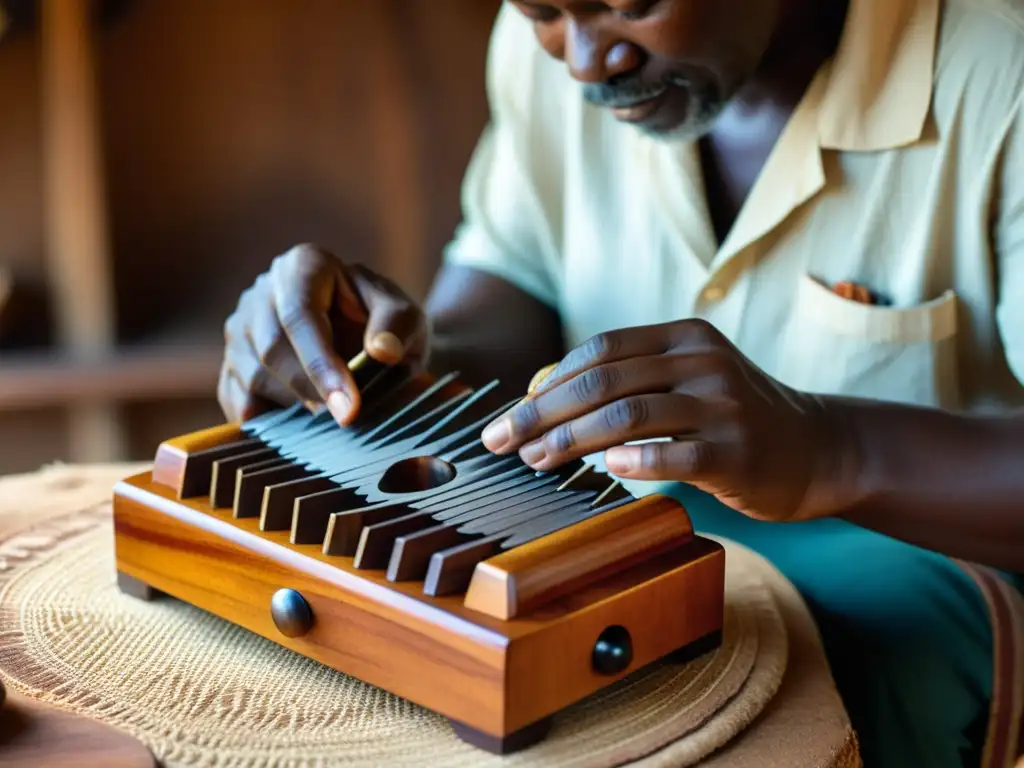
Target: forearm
x: 487, y: 329
x: 947, y: 482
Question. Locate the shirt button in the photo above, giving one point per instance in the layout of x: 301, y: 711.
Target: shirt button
x: 714, y: 294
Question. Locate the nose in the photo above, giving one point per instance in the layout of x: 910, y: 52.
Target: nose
x: 593, y: 56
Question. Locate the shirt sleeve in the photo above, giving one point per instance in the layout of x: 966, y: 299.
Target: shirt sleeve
x: 1010, y: 245
x: 511, y: 193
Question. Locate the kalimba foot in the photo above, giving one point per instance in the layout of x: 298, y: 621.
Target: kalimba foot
x: 506, y: 745
x: 132, y: 587
x: 696, y: 649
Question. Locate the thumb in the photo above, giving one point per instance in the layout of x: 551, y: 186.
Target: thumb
x: 396, y: 326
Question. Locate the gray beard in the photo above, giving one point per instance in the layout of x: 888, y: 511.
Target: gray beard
x: 700, y: 119
x: 703, y: 110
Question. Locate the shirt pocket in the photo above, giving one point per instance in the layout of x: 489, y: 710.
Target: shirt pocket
x: 835, y: 346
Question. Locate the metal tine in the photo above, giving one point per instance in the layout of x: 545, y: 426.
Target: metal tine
x: 384, y: 455
x: 308, y: 447
x: 426, y: 406
x: 433, y: 389
x: 481, y: 463
x: 471, y: 474
x: 389, y: 448
x: 446, y: 443
x: 464, y: 480
x: 450, y: 404
x: 543, y: 525
x: 584, y: 470
x: 429, y: 499
x: 607, y: 492
x: 296, y: 425
x: 490, y: 495
x: 511, y: 522
x: 331, y: 446
x: 382, y: 374
x: 468, y: 448
x: 397, y: 395
x: 381, y: 455
x: 486, y: 477
x: 296, y: 413
x: 520, y: 470
x: 505, y: 505
x: 476, y: 397
x: 257, y: 424
x: 368, y: 453
x: 314, y: 432
x: 541, y: 528
x: 510, y: 519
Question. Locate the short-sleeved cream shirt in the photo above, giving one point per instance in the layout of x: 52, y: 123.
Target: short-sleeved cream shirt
x: 902, y: 170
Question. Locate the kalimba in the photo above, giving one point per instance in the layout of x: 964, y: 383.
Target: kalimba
x: 398, y: 550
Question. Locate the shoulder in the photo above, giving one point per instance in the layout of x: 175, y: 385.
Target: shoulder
x: 979, y: 75
x: 981, y: 43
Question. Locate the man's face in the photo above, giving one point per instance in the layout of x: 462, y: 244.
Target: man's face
x: 667, y: 66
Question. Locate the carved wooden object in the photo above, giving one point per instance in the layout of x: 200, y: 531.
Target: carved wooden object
x: 401, y: 552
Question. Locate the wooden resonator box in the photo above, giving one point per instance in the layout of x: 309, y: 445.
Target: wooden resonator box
x: 399, y: 551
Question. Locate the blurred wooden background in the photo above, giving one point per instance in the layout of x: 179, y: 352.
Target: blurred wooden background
x: 154, y: 160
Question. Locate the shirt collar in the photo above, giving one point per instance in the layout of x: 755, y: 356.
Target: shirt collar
x: 879, y: 90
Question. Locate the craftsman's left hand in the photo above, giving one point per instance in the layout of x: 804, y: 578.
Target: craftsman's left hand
x: 760, y: 447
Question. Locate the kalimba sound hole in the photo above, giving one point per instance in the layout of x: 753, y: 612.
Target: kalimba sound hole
x: 420, y: 473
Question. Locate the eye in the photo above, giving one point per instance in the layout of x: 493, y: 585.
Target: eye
x: 537, y: 12
x: 638, y: 11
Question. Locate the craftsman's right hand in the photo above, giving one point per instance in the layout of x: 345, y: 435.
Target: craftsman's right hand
x: 290, y: 336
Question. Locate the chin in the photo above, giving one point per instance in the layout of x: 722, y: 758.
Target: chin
x: 683, y: 116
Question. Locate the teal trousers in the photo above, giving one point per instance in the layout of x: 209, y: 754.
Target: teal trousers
x: 906, y: 632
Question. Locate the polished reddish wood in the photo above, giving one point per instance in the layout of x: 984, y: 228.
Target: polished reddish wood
x: 173, y: 456
x: 495, y: 676
x: 528, y: 576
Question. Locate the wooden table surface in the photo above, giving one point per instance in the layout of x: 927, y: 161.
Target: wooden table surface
x: 33, y: 735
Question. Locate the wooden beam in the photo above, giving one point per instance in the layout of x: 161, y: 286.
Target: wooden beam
x: 6, y: 286
x: 46, y: 381
x: 79, y: 265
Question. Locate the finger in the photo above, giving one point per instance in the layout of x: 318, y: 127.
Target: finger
x: 349, y: 300
x: 623, y: 421
x: 689, y: 461
x: 254, y: 377
x: 683, y: 337
x: 238, y: 404
x: 305, y: 286
x: 396, y: 326
x: 277, y: 361
x: 605, y: 348
x: 575, y: 397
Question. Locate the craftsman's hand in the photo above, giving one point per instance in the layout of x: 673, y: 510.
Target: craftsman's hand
x: 757, y: 445
x: 293, y: 330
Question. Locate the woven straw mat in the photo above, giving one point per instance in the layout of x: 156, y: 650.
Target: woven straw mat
x: 199, y: 691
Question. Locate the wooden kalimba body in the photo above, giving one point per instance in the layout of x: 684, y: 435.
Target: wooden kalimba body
x: 398, y: 550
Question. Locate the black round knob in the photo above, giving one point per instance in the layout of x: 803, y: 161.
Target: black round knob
x: 291, y: 613
x: 613, y: 651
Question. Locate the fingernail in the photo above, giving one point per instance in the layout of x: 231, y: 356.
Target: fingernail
x: 388, y: 345
x: 533, y: 453
x: 340, y: 406
x: 497, y: 435
x: 621, y: 461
